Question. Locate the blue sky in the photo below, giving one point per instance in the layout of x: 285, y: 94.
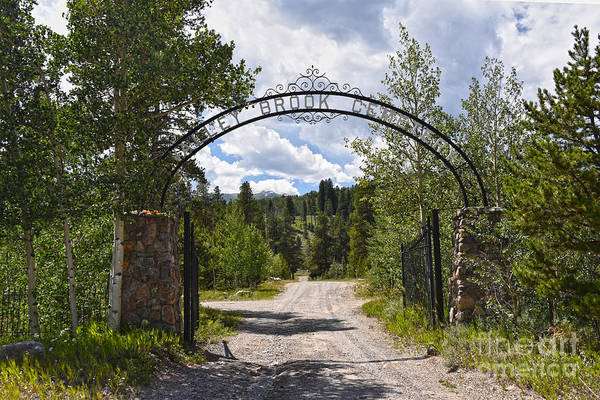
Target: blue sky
x: 350, y: 40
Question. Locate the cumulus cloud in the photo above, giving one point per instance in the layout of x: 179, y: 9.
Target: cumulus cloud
x: 350, y: 40
x: 228, y: 176
x: 284, y: 47
x: 281, y: 186
x: 536, y: 39
x: 264, y: 149
x: 330, y: 138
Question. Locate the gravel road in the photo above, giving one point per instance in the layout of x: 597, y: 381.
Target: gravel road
x: 313, y: 342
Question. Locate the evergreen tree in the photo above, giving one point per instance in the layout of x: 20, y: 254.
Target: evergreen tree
x: 556, y: 185
x: 218, y: 197
x: 328, y: 208
x: 319, y: 260
x: 340, y: 240
x: 304, y: 211
x: 362, y: 219
x: 321, y: 196
x: 331, y: 196
x: 289, y: 204
x: 249, y: 206
x: 343, y: 208
x: 287, y: 243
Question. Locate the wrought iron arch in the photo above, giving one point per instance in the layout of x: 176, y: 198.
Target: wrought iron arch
x: 316, y: 84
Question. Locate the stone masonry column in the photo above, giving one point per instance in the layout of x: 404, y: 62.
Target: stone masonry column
x: 151, y: 282
x: 470, y: 252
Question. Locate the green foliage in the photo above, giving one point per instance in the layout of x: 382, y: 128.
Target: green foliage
x: 337, y: 270
x: 362, y: 220
x: 86, y: 365
x: 319, y: 259
x: 92, y: 253
x: 214, y: 325
x: 499, y: 352
x: 405, y: 179
x: 279, y: 268
x: 249, y: 207
x: 141, y: 74
x: 555, y: 187
x: 283, y: 239
x: 264, y: 291
x: 239, y: 254
x: 492, y: 125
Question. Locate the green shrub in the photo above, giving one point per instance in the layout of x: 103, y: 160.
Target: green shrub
x: 94, y: 362
x: 570, y: 370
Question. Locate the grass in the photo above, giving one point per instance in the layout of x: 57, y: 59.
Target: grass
x: 538, y: 363
x: 215, y: 325
x: 264, y: 291
x: 98, y: 363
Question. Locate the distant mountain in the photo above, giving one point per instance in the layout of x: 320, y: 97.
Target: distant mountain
x: 229, y: 196
x: 267, y: 194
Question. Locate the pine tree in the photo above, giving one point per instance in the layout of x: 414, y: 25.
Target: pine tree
x: 556, y: 185
x: 321, y: 196
x: 340, y: 240
x: 362, y: 219
x: 249, y: 206
x: 289, y: 204
x: 304, y: 211
x: 331, y: 195
x: 319, y: 260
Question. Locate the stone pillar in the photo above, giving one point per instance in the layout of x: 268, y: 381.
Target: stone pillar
x: 151, y: 281
x: 470, y: 251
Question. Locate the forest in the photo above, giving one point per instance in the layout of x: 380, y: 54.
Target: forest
x: 71, y: 160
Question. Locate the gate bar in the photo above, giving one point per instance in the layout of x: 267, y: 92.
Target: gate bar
x: 430, y: 268
x: 437, y: 261
x: 187, y: 278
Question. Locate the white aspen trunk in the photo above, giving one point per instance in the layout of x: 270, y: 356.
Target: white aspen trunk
x: 59, y: 174
x: 71, y: 272
x: 116, y: 272
x: 34, y: 319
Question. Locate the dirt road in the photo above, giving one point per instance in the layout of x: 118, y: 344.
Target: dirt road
x: 313, y: 342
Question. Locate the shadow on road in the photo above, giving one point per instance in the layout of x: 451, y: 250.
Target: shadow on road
x: 299, y: 379
x: 285, y: 324
x: 325, y: 379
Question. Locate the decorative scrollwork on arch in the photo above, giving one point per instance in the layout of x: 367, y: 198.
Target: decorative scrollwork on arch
x: 313, y: 80
x: 313, y: 117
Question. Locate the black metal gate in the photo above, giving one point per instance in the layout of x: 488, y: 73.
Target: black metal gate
x: 422, y: 271
x: 190, y: 280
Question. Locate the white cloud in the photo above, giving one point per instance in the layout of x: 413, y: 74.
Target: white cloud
x: 263, y: 35
x: 264, y: 149
x: 281, y: 186
x: 544, y: 40
x: 286, y: 39
x: 533, y: 38
x: 49, y: 13
x: 353, y: 169
x: 228, y: 176
x: 329, y: 138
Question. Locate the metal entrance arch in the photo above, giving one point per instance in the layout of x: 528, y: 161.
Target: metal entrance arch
x: 307, y: 100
